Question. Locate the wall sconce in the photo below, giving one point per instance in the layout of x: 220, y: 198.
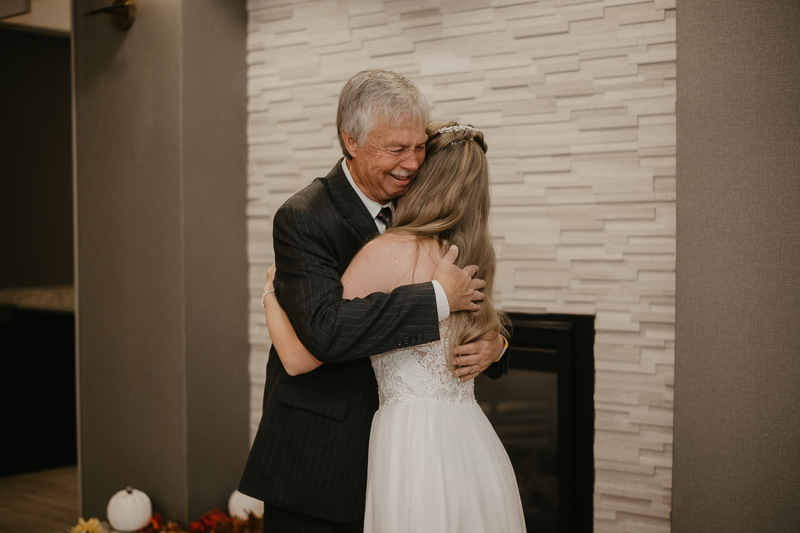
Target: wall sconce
x: 122, y: 12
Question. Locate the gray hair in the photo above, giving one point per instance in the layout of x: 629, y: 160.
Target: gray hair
x: 371, y: 94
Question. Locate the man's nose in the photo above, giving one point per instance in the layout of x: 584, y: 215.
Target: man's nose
x: 409, y: 161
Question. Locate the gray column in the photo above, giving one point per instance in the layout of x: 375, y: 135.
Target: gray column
x: 161, y: 275
x: 737, y: 363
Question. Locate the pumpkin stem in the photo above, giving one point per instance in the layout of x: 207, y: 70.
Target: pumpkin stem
x: 129, y: 490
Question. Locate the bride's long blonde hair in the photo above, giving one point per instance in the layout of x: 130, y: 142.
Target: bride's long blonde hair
x: 449, y: 201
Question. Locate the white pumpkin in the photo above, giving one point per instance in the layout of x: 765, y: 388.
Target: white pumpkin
x: 240, y: 504
x: 129, y: 510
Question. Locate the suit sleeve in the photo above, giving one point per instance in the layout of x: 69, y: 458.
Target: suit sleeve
x: 334, y: 330
x: 500, y: 368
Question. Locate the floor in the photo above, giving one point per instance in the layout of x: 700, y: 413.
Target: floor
x: 39, y: 502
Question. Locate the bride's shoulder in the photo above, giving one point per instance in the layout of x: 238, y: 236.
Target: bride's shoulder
x: 393, y: 252
x: 400, y: 250
x: 389, y: 261
x: 388, y: 244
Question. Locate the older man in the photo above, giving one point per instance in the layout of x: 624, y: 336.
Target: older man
x: 309, y: 459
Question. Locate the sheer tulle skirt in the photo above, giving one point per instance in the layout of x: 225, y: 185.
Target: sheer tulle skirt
x: 439, y: 468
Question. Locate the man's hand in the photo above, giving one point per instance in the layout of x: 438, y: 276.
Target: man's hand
x: 462, y: 291
x: 476, y: 357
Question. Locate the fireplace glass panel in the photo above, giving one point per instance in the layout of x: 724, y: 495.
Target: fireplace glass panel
x: 523, y: 408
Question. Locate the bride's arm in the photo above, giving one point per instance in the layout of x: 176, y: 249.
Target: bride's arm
x: 294, y: 356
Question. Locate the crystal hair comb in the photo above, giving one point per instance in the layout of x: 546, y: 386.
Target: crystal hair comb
x: 457, y: 127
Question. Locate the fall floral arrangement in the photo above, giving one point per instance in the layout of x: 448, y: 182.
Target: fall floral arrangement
x: 215, y: 521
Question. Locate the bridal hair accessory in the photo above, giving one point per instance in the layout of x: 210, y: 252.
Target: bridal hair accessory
x: 455, y: 128
x: 263, y: 305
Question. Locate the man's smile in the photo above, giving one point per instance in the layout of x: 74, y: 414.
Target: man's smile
x: 402, y: 176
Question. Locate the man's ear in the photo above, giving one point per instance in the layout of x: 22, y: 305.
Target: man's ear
x: 350, y: 143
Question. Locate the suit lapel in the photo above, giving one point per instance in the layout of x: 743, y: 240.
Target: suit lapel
x: 347, y: 202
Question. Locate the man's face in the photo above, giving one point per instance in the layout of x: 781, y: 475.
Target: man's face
x: 385, y: 165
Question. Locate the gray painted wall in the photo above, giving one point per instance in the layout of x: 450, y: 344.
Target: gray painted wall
x: 161, y: 268
x: 737, y: 375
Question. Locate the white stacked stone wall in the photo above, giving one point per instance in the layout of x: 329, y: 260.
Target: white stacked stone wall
x: 577, y: 102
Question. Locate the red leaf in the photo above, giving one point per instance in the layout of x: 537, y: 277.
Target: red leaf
x: 157, y: 521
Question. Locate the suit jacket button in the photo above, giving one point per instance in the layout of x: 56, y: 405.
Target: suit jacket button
x: 405, y: 341
x: 419, y: 337
x: 413, y: 338
x: 399, y: 342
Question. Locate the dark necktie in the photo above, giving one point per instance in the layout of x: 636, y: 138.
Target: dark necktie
x: 385, y: 216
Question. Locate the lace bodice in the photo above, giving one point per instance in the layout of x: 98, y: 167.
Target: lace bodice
x: 419, y: 375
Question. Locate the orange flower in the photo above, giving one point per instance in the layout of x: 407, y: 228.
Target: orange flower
x: 156, y: 521
x: 214, y: 518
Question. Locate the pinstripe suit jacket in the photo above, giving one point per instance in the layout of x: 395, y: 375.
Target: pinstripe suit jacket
x: 310, y: 452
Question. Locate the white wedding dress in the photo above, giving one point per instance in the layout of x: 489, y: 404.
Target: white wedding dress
x: 435, y: 462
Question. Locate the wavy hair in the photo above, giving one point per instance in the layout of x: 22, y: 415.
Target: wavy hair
x: 449, y: 201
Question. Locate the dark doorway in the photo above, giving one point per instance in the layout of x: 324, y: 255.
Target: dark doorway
x: 36, y: 166
x: 39, y: 397
x: 37, y: 345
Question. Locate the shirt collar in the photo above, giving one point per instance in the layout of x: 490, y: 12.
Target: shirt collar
x: 372, y: 206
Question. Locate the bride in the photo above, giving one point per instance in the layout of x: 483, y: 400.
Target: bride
x: 435, y: 463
